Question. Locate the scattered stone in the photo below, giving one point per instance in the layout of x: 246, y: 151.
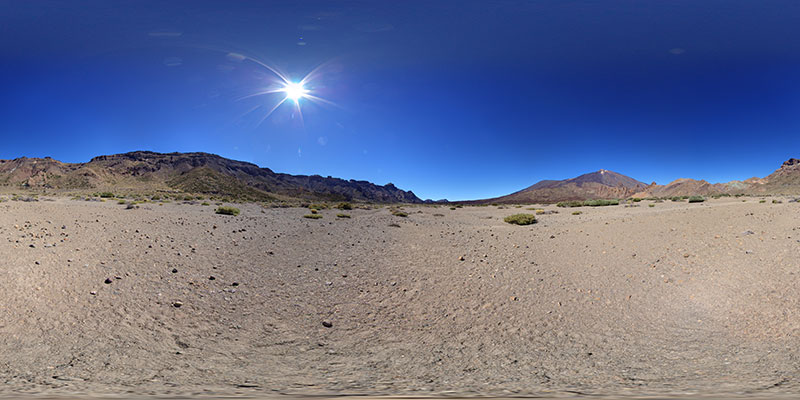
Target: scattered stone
x: 93, y: 293
x: 461, y: 258
x: 748, y: 233
x: 108, y: 281
x: 327, y: 324
x: 174, y: 270
x: 748, y: 252
x: 235, y: 284
x: 177, y: 304
x: 211, y: 278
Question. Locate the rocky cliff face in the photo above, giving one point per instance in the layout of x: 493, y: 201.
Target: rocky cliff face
x: 193, y: 173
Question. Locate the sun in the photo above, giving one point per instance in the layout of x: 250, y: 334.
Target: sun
x: 294, y: 91
x: 299, y: 92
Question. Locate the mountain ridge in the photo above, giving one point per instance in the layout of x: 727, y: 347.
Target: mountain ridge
x: 193, y: 172
x: 608, y: 184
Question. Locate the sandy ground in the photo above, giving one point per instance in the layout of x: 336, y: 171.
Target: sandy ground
x: 675, y: 299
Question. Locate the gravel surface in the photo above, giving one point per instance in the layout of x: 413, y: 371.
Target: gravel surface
x: 678, y: 298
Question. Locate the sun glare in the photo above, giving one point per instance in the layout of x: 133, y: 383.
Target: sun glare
x: 292, y: 90
x: 295, y: 91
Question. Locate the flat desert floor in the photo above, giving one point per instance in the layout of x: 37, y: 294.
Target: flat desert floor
x: 673, y: 299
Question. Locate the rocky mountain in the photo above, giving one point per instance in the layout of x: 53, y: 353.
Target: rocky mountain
x: 594, y: 185
x: 785, y: 180
x: 199, y: 173
x: 607, y: 184
x: 682, y: 187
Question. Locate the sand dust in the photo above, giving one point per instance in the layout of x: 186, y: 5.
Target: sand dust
x: 675, y: 299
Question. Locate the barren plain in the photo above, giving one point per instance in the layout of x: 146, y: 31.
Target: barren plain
x: 173, y: 299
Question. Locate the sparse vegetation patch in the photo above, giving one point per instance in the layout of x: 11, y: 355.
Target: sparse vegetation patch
x: 227, y: 210
x: 601, y: 203
x: 589, y: 203
x: 520, y: 219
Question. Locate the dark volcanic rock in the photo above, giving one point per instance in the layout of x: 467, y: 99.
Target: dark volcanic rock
x: 790, y: 162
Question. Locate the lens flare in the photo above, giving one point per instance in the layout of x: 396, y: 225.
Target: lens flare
x: 296, y: 91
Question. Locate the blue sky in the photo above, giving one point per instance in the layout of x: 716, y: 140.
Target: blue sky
x: 451, y: 99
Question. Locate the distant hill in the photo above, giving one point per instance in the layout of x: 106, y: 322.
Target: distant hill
x: 199, y: 173
x: 594, y: 185
x: 608, y: 184
x: 785, y: 180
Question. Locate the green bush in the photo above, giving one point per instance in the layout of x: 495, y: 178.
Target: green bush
x: 313, y: 216
x: 344, y: 206
x: 697, y: 199
x: 106, y: 195
x: 651, y: 205
x: 677, y: 198
x: 205, y: 203
x: 600, y: 203
x: 342, y: 215
x: 520, y: 219
x: 589, y: 203
x: 228, y: 211
x: 398, y: 213
x: 577, y: 212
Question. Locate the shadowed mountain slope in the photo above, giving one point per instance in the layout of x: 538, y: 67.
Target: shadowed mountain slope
x: 192, y: 173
